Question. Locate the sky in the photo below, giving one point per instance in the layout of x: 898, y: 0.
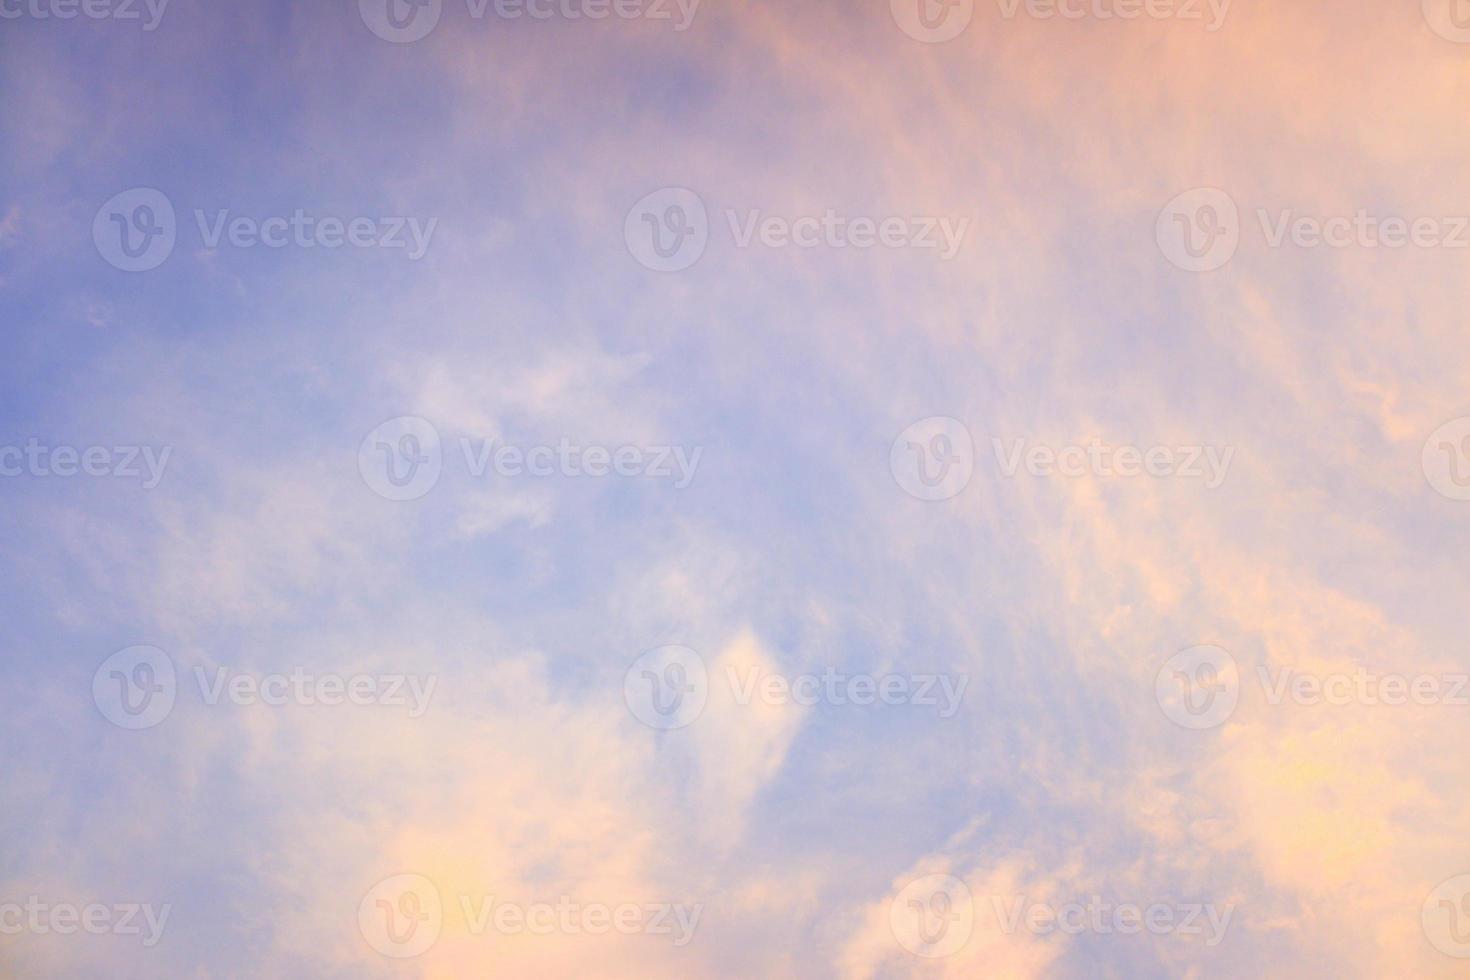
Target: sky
x: 641, y: 488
